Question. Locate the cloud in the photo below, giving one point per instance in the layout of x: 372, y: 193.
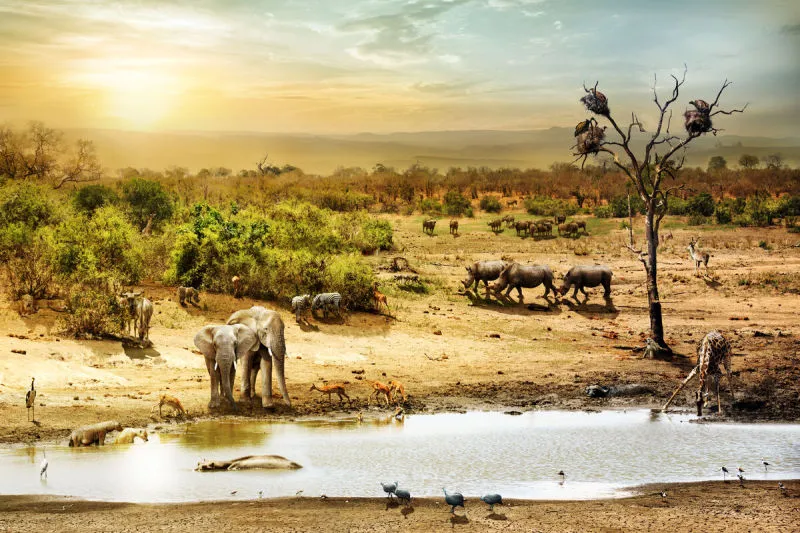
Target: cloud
x: 505, y: 5
x: 791, y: 29
x: 557, y: 24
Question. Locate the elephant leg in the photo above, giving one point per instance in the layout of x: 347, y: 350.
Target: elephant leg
x: 213, y: 374
x: 247, y: 393
x: 266, y: 380
x: 101, y: 438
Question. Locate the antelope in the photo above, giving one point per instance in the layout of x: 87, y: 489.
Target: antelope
x: 697, y: 256
x: 237, y: 285
x: 397, y: 388
x: 379, y: 298
x: 330, y: 389
x: 379, y: 388
x: 171, y: 401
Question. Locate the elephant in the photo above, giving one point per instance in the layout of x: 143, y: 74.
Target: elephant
x: 222, y: 346
x: 93, y: 434
x: 268, y: 326
x: 249, y: 462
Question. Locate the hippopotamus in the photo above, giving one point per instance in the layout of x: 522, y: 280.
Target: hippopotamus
x: 249, y: 462
x: 582, y: 276
x: 527, y: 276
x: 93, y: 434
x: 485, y: 271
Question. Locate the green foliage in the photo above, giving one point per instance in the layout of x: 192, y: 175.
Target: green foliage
x: 603, y: 211
x: 697, y: 220
x: 723, y: 215
x: 619, y: 206
x: 145, y: 198
x: 30, y: 271
x: 92, y: 313
x: 701, y: 204
x: 25, y: 204
x: 88, y: 199
x: 759, y: 210
x: 717, y: 162
x: 342, y: 201
x: 456, y: 204
x: 490, y: 204
x: 677, y: 206
x: 764, y: 245
x: 788, y: 206
x: 543, y: 206
x: 430, y: 206
x: 748, y: 161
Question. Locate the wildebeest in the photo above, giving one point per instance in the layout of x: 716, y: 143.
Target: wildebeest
x: 485, y: 271
x: 560, y: 219
x: 428, y: 226
x: 524, y: 276
x: 582, y: 276
x: 496, y: 225
x: 454, y: 227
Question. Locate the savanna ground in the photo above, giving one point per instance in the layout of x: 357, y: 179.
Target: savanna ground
x: 452, y: 352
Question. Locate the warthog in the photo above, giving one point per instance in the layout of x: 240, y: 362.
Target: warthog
x: 428, y: 225
x: 496, y: 225
x: 524, y: 276
x: 485, y: 271
x: 521, y: 227
x: 454, y: 227
x: 582, y: 276
x: 560, y: 219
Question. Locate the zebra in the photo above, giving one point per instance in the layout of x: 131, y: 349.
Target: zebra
x: 324, y: 300
x: 300, y: 305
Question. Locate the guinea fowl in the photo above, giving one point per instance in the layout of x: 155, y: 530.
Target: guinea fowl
x: 389, y: 488
x: 492, y: 500
x: 403, y: 495
x: 454, y: 500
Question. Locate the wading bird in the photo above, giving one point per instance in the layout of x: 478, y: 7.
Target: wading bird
x: 766, y: 464
x: 30, y: 399
x: 724, y: 473
x: 43, y: 466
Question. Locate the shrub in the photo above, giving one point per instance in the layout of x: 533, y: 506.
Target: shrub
x: 701, y: 204
x: 544, y: 206
x: 619, y: 206
x: 430, y: 206
x: 677, y: 206
x: 31, y: 272
x: 456, y: 204
x: 723, y: 215
x: 603, y: 211
x: 490, y: 204
x: 145, y: 198
x: 88, y: 199
x: 92, y: 313
x: 697, y: 220
x: 25, y: 204
x: 342, y: 201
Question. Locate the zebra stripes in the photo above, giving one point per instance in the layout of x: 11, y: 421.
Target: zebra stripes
x: 325, y: 301
x: 300, y: 305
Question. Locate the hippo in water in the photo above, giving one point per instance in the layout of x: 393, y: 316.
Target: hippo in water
x: 249, y: 462
x: 582, y: 276
x: 485, y: 271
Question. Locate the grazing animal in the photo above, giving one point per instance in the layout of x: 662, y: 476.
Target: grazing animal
x: 128, y: 435
x: 170, y: 401
x: 237, y: 286
x: 380, y: 299
x: 428, y: 226
x: 581, y: 225
x: 509, y: 220
x: 403, y: 495
x: 697, y: 256
x: 454, y: 227
x: 140, y: 309
x: 397, y: 389
x: 496, y: 225
x: 568, y: 229
x: 300, y: 306
x: 559, y: 219
x: 148, y: 228
x: 587, y: 276
x: 389, y: 488
x: 337, y: 388
x: 492, y: 500
x: 379, y: 388
x: 43, y: 466
x: 511, y: 203
x: 456, y: 499
x: 516, y: 276
x: 485, y: 271
x: 188, y: 294
x: 713, y: 350
x: 325, y: 301
x: 30, y: 402
x: 93, y: 433
x: 522, y: 227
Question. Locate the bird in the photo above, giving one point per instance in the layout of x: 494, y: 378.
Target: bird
x: 233, y: 492
x: 782, y: 488
x: 741, y: 470
x: 701, y: 105
x: 454, y: 500
x: 563, y: 477
x: 741, y: 479
x: 389, y: 488
x: 30, y: 398
x: 765, y: 463
x: 43, y: 466
x: 299, y: 492
x: 724, y: 473
x: 492, y: 500
x: 664, y: 495
x: 583, y: 126
x: 260, y: 494
x: 403, y: 495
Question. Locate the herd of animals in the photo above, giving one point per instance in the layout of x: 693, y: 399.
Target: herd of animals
x: 525, y: 228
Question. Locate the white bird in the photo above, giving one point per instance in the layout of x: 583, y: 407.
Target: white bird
x: 664, y: 495
x: 43, y: 466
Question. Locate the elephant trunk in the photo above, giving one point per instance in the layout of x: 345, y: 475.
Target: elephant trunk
x: 227, y: 375
x: 279, y: 367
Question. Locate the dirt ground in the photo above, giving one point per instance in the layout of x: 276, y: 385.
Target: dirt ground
x: 757, y: 506
x: 455, y: 352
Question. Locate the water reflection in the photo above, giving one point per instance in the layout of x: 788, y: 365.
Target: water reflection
x: 474, y: 453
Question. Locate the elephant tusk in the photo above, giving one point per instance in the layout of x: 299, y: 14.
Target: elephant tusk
x: 270, y: 351
x: 234, y: 364
x: 216, y: 367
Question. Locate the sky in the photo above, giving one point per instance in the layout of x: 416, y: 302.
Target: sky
x: 348, y: 66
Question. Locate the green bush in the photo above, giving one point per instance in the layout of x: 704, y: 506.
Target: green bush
x: 25, y: 204
x: 456, y: 204
x: 701, y: 204
x: 92, y: 197
x: 543, y: 206
x: 603, y: 211
x: 92, y: 313
x: 619, y: 206
x: 490, y: 204
x: 723, y: 215
x: 430, y: 206
x: 146, y: 198
x: 342, y: 201
x: 30, y: 271
x: 697, y: 220
x: 677, y: 206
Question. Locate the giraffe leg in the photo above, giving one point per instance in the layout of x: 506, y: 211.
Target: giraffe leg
x: 719, y: 400
x: 680, y: 387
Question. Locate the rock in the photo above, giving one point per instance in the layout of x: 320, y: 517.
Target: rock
x: 21, y: 352
x: 437, y: 332
x: 493, y: 335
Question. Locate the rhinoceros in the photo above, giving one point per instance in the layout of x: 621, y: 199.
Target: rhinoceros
x: 524, y: 276
x: 582, y: 276
x: 485, y: 271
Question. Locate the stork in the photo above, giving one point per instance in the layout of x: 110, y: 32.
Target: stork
x: 30, y: 399
x: 43, y: 466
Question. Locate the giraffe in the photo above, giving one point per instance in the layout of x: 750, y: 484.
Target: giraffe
x: 148, y: 227
x: 713, y: 350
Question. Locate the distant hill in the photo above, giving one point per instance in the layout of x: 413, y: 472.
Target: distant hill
x: 322, y: 154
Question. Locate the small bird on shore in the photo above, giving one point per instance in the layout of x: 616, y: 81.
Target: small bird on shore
x: 30, y: 401
x: 765, y: 463
x: 456, y: 499
x: 782, y: 488
x: 233, y: 492
x: 43, y: 466
x: 741, y: 470
x: 492, y: 500
x: 389, y: 488
x: 664, y: 495
x: 563, y: 477
x: 741, y: 479
x: 260, y: 494
x: 724, y: 473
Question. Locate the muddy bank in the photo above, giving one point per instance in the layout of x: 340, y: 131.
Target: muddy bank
x: 708, y: 506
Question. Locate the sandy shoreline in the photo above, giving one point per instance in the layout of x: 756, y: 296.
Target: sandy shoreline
x: 704, y: 506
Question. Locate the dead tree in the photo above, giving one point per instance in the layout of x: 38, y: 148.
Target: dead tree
x: 647, y: 173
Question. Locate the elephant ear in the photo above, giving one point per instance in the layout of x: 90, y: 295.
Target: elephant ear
x: 246, y: 340
x: 204, y: 340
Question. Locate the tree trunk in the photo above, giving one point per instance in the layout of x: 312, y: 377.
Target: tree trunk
x: 651, y: 267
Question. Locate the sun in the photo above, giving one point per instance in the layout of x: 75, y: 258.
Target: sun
x: 140, y: 100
